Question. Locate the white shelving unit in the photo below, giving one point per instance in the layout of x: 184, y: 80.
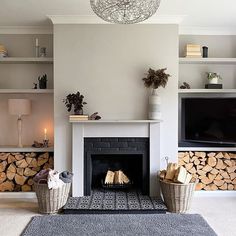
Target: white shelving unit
x: 26, y: 91
x: 221, y: 61
x: 27, y: 60
x: 25, y: 149
x: 207, y: 149
x: 184, y: 91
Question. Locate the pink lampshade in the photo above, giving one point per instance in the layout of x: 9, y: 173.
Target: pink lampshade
x: 19, y: 107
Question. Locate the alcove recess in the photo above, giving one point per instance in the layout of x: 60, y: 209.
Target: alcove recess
x: 18, y: 73
x: 213, y: 166
x: 221, y: 59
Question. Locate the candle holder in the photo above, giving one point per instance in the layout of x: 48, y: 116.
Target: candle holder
x: 46, y: 143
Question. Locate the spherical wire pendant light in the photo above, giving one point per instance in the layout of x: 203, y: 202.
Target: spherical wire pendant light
x: 124, y: 11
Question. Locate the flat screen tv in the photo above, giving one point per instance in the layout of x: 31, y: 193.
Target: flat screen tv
x: 208, y: 120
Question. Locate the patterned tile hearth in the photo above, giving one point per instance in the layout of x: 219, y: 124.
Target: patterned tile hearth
x: 114, y: 202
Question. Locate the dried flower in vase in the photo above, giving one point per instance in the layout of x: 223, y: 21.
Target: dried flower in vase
x: 156, y: 78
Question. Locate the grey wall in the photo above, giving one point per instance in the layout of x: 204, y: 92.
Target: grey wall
x: 106, y: 63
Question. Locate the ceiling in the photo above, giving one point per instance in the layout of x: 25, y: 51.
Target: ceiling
x: 200, y: 13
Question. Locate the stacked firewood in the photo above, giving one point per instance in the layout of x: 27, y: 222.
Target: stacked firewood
x: 215, y: 171
x: 18, y: 169
x: 116, y: 177
x: 176, y: 174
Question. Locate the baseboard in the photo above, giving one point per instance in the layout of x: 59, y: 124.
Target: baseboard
x: 218, y: 193
x: 17, y: 195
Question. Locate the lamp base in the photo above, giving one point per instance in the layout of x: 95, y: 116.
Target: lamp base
x: 19, y: 127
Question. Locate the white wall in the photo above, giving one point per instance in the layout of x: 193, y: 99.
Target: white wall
x: 106, y: 63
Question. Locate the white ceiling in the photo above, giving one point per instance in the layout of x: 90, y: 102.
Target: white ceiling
x: 200, y: 13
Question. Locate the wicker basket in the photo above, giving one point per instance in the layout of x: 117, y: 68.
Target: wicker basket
x: 177, y: 197
x: 51, y: 201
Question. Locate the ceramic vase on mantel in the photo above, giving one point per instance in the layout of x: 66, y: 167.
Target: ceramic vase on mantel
x: 154, y: 112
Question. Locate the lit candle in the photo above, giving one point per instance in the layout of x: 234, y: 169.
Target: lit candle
x: 45, y: 134
x: 37, y: 42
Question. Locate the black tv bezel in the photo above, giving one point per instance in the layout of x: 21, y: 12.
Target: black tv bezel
x: 183, y: 142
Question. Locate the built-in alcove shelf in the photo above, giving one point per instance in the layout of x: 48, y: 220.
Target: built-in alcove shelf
x: 26, y: 91
x: 117, y: 121
x: 26, y: 60
x: 207, y: 149
x: 228, y: 61
x: 25, y: 149
x: 207, y: 91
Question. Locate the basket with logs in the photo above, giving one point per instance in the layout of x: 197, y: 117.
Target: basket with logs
x: 177, y: 187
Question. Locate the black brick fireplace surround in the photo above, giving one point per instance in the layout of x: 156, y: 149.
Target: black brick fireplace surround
x: 129, y: 154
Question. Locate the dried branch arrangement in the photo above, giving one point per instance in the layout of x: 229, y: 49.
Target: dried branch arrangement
x: 156, y: 78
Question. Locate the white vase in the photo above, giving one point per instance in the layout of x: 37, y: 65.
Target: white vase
x: 214, y: 80
x: 154, y: 106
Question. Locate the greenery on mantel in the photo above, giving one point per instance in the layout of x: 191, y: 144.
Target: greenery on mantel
x: 156, y: 78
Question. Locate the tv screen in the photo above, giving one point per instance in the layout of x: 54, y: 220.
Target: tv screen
x: 209, y: 120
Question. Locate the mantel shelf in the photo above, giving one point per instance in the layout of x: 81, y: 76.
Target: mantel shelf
x: 26, y: 60
x: 115, y: 121
x: 26, y: 91
x: 186, y: 91
x: 229, y: 61
x: 25, y: 149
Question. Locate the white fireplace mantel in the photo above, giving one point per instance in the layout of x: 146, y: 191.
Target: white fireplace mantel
x: 114, y: 128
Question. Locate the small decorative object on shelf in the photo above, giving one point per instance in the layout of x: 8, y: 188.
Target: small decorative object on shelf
x: 213, y: 81
x: 37, y: 47
x: 204, y: 52
x: 3, y: 51
x: 46, y: 143
x: 43, y: 82
x: 193, y: 50
x: 154, y: 80
x: 95, y: 116
x: 76, y: 101
x: 45, y: 140
x: 35, y: 86
x: 185, y: 85
x: 43, y: 52
x: 214, y: 86
x: 37, y: 145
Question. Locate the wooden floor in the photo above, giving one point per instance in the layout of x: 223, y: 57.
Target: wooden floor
x: 220, y: 212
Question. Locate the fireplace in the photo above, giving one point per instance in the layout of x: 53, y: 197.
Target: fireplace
x: 131, y: 155
x: 105, y: 140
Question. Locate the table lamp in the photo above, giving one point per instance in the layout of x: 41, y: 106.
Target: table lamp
x: 19, y: 107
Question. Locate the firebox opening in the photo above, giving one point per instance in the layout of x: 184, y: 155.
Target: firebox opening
x: 131, y: 165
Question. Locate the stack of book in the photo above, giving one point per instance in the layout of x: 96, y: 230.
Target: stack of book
x: 79, y: 117
x: 193, y: 50
x: 3, y: 51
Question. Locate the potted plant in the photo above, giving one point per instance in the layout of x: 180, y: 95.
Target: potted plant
x: 75, y: 101
x: 213, y: 78
x: 154, y: 80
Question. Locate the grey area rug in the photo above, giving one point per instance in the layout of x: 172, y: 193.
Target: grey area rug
x: 101, y: 201
x: 119, y: 225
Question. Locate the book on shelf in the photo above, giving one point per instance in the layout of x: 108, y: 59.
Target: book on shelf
x: 193, y: 55
x: 78, y: 117
x: 193, y: 48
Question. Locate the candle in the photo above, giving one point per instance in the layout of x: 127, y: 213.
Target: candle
x: 45, y: 134
x: 37, y: 42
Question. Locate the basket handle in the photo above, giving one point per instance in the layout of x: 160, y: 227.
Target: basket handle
x: 42, y: 180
